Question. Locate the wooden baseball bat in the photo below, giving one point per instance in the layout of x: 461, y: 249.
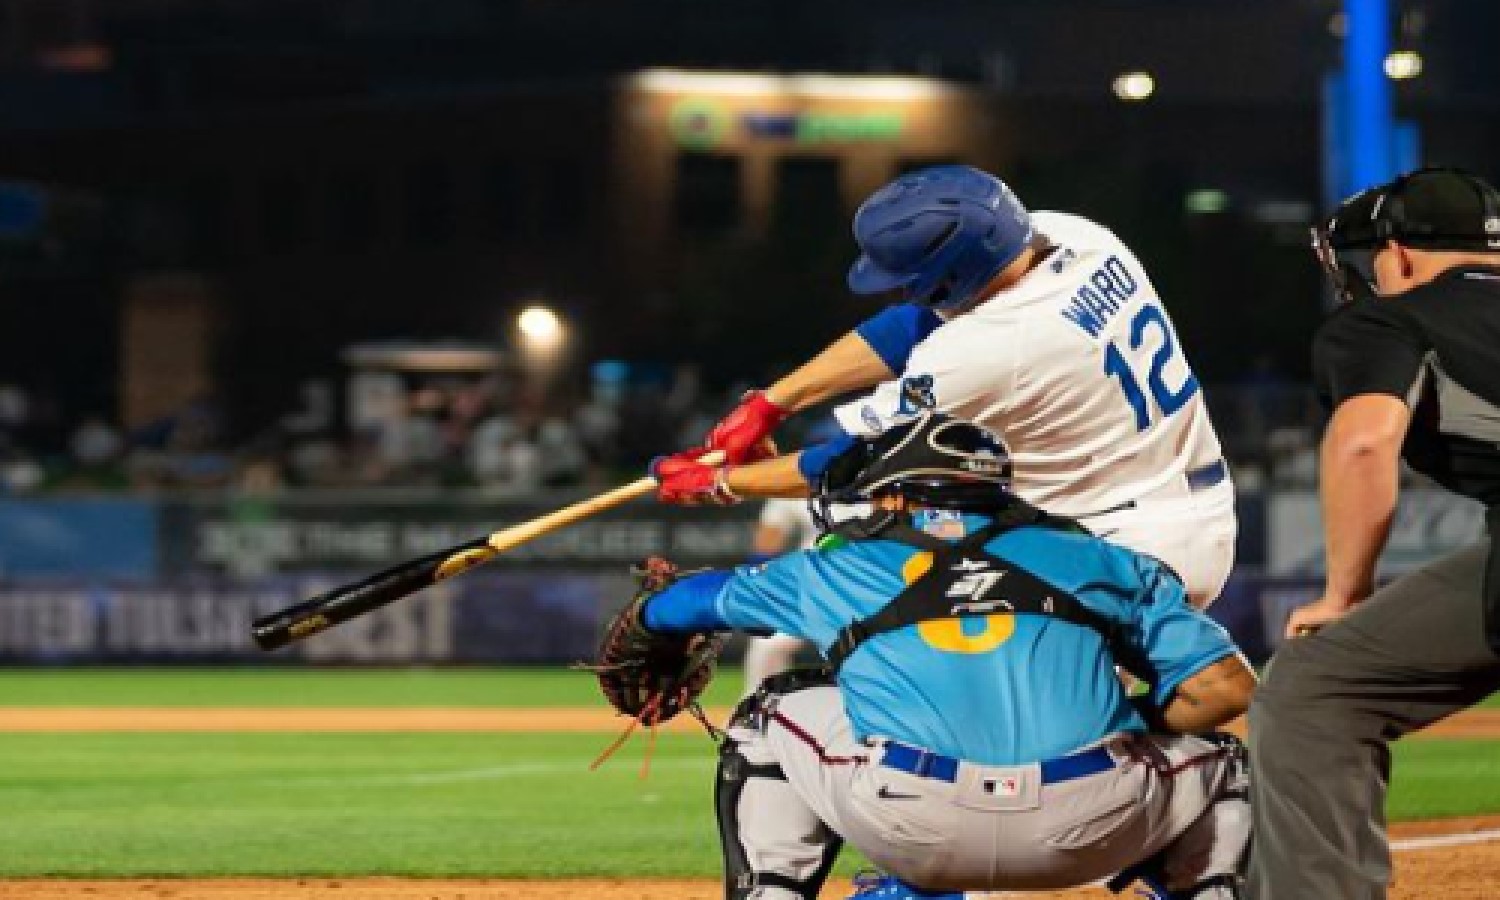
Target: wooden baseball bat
x: 344, y: 603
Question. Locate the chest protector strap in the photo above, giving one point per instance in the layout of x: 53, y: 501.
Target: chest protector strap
x: 964, y: 579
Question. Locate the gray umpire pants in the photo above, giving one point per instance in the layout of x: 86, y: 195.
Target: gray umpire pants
x: 1326, y: 712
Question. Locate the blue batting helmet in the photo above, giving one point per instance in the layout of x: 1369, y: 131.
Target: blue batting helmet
x: 938, y: 235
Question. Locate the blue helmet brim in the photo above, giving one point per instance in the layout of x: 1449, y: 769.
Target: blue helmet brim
x: 865, y: 277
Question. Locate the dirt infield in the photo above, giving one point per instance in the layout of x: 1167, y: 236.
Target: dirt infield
x: 1460, y: 869
x: 1465, y: 872
x: 397, y: 889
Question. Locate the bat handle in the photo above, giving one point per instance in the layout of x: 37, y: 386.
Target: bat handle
x: 516, y: 535
x: 326, y: 610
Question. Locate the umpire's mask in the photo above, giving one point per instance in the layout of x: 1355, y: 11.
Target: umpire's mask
x: 1347, y: 242
x: 1427, y: 209
x: 935, y: 461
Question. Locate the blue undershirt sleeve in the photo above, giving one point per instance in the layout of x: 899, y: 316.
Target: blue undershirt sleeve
x: 895, y: 330
x: 815, y: 459
x: 688, y: 604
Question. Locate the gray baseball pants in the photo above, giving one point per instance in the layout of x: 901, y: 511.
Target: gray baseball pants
x: 797, y: 780
x: 1327, y: 710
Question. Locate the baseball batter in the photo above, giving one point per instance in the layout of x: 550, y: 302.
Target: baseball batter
x: 972, y: 733
x: 1043, y: 327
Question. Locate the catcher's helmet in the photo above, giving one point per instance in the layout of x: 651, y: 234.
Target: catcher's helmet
x: 935, y: 461
x: 938, y: 235
x: 1426, y: 209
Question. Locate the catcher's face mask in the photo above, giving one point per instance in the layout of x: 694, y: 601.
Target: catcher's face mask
x: 935, y: 461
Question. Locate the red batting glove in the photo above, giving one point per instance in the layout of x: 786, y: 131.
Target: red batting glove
x: 742, y: 434
x: 683, y: 481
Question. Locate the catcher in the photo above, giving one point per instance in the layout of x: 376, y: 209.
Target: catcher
x: 968, y: 732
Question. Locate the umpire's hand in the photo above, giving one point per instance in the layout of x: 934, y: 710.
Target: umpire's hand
x: 1306, y: 620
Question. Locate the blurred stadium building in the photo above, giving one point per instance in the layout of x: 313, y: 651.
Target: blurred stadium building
x: 253, y: 251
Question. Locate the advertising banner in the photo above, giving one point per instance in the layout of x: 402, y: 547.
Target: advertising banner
x: 1429, y: 523
x: 65, y: 536
x: 251, y: 538
x: 483, y: 617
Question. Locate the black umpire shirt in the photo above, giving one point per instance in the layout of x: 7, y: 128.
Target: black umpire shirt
x: 1437, y: 347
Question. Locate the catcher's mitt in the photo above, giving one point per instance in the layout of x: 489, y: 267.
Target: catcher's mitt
x: 648, y: 676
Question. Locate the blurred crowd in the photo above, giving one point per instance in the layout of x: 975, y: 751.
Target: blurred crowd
x: 493, y: 435
x: 486, y: 434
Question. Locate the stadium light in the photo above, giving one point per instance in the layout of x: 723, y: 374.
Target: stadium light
x: 542, y: 330
x: 1133, y: 87
x: 1403, y: 65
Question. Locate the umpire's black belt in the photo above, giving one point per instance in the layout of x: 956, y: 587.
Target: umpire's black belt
x: 926, y: 764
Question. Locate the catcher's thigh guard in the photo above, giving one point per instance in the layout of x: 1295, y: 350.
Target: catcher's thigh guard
x: 1207, y: 861
x: 775, y: 847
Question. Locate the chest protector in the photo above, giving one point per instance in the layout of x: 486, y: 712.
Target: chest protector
x: 965, y: 579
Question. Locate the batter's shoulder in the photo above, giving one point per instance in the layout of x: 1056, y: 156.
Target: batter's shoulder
x: 1064, y: 227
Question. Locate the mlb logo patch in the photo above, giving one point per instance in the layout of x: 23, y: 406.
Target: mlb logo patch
x: 943, y: 523
x: 1004, y: 786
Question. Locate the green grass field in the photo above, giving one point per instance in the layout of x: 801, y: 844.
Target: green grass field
x: 216, y: 804
x: 279, y: 804
x: 416, y: 804
x: 291, y: 688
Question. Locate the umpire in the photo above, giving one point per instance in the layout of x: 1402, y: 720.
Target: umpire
x: 1410, y: 368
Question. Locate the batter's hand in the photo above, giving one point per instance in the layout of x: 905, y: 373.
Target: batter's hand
x: 684, y: 481
x: 1307, y: 620
x: 743, y: 433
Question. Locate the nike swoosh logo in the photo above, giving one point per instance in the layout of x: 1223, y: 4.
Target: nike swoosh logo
x: 885, y: 793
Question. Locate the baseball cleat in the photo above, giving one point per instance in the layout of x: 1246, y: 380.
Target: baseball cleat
x: 878, y: 886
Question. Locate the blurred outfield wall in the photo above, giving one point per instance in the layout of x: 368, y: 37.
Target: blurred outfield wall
x: 178, y: 580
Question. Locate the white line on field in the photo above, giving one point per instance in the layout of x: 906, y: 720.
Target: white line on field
x: 489, y: 773
x: 1422, y: 843
x: 1447, y: 840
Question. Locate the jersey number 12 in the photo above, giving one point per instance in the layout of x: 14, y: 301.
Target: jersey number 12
x: 1167, y: 400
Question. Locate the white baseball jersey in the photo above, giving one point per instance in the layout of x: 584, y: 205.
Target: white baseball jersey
x: 1078, y: 368
x: 793, y: 519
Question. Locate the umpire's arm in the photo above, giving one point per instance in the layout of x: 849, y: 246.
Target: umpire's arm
x: 1359, y: 480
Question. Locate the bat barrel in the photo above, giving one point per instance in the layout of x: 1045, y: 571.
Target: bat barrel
x: 341, y: 604
x: 276, y: 630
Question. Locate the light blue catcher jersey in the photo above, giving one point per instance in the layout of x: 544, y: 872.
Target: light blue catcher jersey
x: 996, y: 689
